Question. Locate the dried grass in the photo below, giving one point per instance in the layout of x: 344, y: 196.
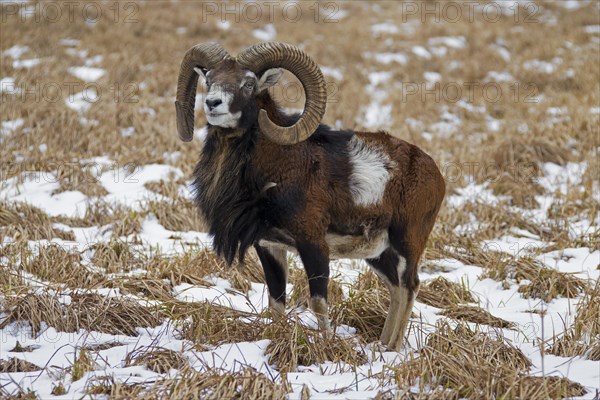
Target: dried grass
x: 209, y: 323
x: 75, y: 177
x: 102, y: 346
x: 20, y: 221
x: 157, y: 359
x: 529, y: 152
x: 167, y: 188
x: 189, y: 267
x: 479, y: 366
x: 155, y: 289
x: 115, y: 256
x: 442, y: 293
x: 20, y: 395
x: 582, y: 338
x: 83, y: 364
x: 293, y: 344
x: 108, y: 386
x: 476, y: 315
x: 130, y: 224
x: 15, y: 364
x: 56, y: 265
x: 546, y: 283
x: 178, y: 215
x: 195, y: 267
x: 365, y: 308
x: 301, y: 293
x: 10, y: 281
x: 217, y: 385
x: 98, y: 212
x: 19, y: 348
x: 90, y: 312
x: 191, y: 384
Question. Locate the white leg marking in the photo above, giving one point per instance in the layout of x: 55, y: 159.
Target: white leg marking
x: 390, y: 320
x: 369, y: 172
x: 277, y: 309
x: 399, y: 302
x: 319, y: 306
x: 404, y: 309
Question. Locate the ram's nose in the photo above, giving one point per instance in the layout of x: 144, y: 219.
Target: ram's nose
x: 212, y: 104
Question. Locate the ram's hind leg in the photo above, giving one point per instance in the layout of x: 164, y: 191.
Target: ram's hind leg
x: 390, y: 267
x: 409, y: 243
x: 274, y: 263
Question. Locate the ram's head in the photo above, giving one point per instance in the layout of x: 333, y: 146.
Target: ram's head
x: 235, y: 82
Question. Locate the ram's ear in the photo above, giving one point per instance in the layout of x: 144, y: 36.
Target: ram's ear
x: 202, y: 72
x: 269, y: 78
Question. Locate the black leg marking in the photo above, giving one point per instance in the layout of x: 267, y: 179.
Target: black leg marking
x: 316, y: 265
x: 387, y: 265
x: 275, y: 274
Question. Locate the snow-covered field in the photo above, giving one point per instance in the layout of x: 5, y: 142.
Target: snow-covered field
x: 108, y: 287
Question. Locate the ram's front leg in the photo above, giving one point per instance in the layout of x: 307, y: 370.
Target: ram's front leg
x: 315, y: 258
x: 275, y: 267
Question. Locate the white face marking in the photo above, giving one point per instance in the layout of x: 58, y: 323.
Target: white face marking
x: 370, y: 173
x: 249, y: 75
x: 220, y: 115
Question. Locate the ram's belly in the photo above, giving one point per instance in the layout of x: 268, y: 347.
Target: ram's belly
x: 346, y: 246
x: 357, y: 246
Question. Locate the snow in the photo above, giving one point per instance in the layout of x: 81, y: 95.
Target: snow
x: 376, y: 114
x: 87, y: 74
x: 431, y: 76
x: 593, y: 29
x: 69, y: 42
x: 542, y: 66
x: 457, y: 42
x: 421, y: 52
x: 127, y: 132
x: 9, y: 86
x: 495, y: 76
x: 223, y: 25
x: 573, y: 4
x: 388, y: 58
x: 266, y: 33
x: 503, y: 52
x: 81, y: 102
x: 26, y: 63
x: 16, y: 51
x: 384, y: 27
x: 8, y: 127
x: 147, y: 111
x: 335, y: 73
x: 123, y: 186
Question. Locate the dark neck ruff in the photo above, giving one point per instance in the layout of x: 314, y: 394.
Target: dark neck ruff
x: 228, y: 191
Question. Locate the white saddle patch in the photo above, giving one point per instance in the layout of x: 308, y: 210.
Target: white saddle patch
x: 370, y: 172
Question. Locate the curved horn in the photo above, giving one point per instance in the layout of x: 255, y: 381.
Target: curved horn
x: 204, y: 55
x: 263, y: 56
